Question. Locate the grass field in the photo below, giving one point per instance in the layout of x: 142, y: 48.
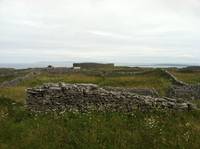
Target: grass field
x: 188, y: 77
x: 9, y: 74
x: 152, y: 79
x: 20, y: 129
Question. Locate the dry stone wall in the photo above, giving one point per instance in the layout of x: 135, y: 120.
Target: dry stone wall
x: 18, y: 80
x: 183, y: 90
x: 174, y: 79
x: 87, y: 97
x: 186, y: 92
x: 140, y: 91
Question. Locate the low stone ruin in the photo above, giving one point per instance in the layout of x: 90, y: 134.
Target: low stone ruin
x: 88, y: 97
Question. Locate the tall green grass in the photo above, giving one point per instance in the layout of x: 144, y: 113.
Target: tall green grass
x: 18, y: 93
x: 21, y: 129
x: 190, y: 77
x: 153, y: 79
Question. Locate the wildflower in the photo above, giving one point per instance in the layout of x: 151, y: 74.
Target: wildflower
x: 151, y: 122
x: 187, y: 124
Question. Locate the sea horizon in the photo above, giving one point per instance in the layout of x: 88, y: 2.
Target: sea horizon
x: 70, y: 64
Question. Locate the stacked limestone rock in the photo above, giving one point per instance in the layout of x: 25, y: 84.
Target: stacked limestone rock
x: 186, y: 91
x: 87, y: 97
x: 140, y: 91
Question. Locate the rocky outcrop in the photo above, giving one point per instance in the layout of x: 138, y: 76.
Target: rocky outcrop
x: 87, y: 97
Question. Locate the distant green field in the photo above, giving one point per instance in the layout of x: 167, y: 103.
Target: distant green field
x: 148, y: 78
x: 6, y: 78
x: 188, y: 77
x: 9, y: 74
x: 151, y: 79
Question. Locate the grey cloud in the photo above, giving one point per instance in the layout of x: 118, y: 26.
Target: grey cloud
x: 86, y: 29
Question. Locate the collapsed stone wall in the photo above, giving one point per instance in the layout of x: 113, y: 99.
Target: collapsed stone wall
x: 87, y: 97
x: 18, y: 80
x: 186, y: 92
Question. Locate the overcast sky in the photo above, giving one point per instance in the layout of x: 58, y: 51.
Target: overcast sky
x: 123, y: 31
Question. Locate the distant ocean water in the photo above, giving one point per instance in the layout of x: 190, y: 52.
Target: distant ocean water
x: 35, y: 65
x: 157, y: 65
